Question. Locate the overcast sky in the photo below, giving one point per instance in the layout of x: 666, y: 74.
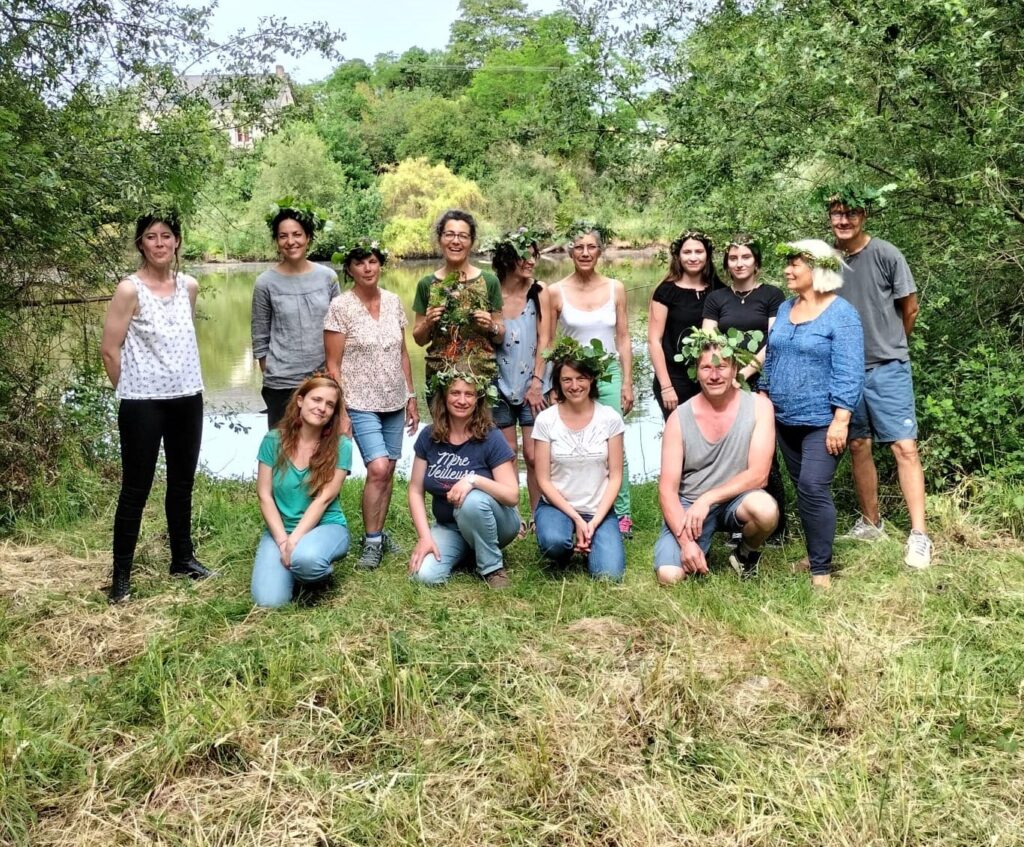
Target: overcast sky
x: 377, y: 26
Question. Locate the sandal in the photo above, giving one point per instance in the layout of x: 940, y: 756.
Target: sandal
x: 524, y: 529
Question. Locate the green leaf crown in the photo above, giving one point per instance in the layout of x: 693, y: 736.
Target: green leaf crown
x: 462, y: 369
x: 853, y: 195
x: 745, y: 240
x: 592, y: 356
x: 304, y: 213
x: 787, y: 252
x: 577, y: 229
x: 733, y: 344
x: 362, y: 247
x: 698, y: 234
x: 521, y: 241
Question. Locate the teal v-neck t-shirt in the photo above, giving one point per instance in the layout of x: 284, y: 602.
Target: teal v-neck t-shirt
x: 289, y: 486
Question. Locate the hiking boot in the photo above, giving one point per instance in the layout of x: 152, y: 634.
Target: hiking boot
x: 626, y: 527
x: 120, y: 587
x: 917, y: 552
x: 744, y: 561
x: 864, y: 530
x: 497, y: 580
x: 190, y: 569
x: 821, y: 581
x: 371, y: 557
x: 391, y: 547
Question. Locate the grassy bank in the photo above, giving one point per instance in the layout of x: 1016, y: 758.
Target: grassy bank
x: 557, y: 713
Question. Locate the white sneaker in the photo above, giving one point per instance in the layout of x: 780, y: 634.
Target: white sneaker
x: 917, y: 553
x: 864, y: 530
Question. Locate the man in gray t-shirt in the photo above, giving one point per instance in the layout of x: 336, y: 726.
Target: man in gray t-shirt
x: 878, y: 282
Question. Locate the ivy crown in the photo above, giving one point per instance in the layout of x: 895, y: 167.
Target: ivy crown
x: 452, y: 371
x: 733, y: 344
x: 853, y: 195
x: 521, y: 241
x: 306, y: 214
x: 787, y: 252
x: 580, y: 228
x: 592, y: 356
x: 360, y: 249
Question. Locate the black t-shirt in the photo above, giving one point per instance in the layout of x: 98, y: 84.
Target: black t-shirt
x: 744, y: 312
x: 685, y: 312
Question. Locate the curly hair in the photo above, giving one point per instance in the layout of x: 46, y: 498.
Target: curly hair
x: 480, y: 423
x: 324, y: 460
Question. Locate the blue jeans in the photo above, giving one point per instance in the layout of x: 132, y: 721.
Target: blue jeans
x: 378, y: 434
x: 721, y: 517
x: 482, y: 527
x: 555, y: 529
x: 312, y: 561
x: 811, y: 468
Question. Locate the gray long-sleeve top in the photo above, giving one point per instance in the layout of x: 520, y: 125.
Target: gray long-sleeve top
x: 288, y: 314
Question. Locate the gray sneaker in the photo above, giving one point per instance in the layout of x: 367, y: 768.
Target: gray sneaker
x: 864, y: 530
x: 917, y: 552
x: 371, y: 557
x: 391, y: 547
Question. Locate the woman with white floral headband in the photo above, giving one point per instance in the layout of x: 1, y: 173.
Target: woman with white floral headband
x: 466, y: 466
x: 364, y: 340
x: 588, y: 306
x: 814, y: 376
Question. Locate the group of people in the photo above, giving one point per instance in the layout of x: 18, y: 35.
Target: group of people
x: 825, y: 369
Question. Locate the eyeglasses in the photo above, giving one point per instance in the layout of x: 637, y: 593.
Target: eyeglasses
x: 464, y: 237
x: 849, y: 214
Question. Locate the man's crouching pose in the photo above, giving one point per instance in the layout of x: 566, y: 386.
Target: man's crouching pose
x: 715, y: 455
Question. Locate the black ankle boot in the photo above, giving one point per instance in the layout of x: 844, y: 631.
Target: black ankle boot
x: 120, y: 586
x: 190, y: 568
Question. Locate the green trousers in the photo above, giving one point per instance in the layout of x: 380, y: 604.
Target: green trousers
x: 610, y: 394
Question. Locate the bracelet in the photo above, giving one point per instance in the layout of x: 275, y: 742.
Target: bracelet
x: 535, y: 377
x: 668, y: 388
x: 410, y: 395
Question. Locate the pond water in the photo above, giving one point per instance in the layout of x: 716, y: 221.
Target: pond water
x: 234, y: 423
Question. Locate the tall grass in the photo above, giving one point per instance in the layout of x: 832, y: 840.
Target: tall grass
x: 561, y: 712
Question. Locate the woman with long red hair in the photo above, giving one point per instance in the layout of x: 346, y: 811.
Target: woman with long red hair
x: 303, y: 462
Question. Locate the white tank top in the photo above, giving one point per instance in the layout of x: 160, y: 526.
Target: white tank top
x: 584, y: 326
x: 159, y: 357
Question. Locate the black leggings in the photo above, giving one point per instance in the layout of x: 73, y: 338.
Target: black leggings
x: 143, y: 424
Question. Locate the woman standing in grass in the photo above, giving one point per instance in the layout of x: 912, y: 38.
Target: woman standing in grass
x: 589, y: 306
x: 676, y: 309
x: 467, y: 467
x: 458, y: 307
x: 814, y: 376
x: 747, y: 304
x: 150, y: 354
x: 364, y: 340
x: 302, y: 464
x: 289, y: 303
x: 579, y: 466
x: 520, y: 363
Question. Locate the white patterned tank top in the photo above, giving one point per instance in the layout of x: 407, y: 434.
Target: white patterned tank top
x: 584, y: 326
x: 160, y: 357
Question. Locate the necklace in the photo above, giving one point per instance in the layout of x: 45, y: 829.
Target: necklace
x: 743, y: 295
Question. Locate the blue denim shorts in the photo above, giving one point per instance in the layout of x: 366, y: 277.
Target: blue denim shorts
x: 721, y: 518
x: 886, y: 409
x: 378, y: 434
x: 506, y: 413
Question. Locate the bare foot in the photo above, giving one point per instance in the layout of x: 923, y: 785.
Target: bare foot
x: 803, y: 566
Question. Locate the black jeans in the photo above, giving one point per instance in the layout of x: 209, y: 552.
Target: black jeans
x: 811, y: 469
x: 277, y: 403
x: 143, y: 424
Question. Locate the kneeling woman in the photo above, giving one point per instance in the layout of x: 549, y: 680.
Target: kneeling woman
x: 579, y: 458
x: 303, y: 462
x: 467, y: 467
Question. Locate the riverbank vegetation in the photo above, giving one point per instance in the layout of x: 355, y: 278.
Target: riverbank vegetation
x: 560, y: 712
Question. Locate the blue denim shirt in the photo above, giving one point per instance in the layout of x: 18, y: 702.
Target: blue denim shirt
x: 815, y: 367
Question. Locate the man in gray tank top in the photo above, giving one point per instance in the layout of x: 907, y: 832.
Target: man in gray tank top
x: 715, y: 455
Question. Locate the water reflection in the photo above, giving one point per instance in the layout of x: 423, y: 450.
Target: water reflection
x: 233, y: 378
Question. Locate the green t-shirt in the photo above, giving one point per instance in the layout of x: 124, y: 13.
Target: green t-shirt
x: 457, y: 335
x: 289, y: 487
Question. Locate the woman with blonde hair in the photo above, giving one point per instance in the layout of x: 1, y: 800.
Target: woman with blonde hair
x: 814, y: 376
x: 303, y: 462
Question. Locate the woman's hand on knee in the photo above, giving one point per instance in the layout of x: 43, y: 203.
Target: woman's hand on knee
x: 424, y: 547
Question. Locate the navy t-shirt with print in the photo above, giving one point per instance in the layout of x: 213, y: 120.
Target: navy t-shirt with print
x: 448, y: 463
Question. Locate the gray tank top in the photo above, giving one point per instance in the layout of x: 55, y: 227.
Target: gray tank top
x: 708, y: 464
